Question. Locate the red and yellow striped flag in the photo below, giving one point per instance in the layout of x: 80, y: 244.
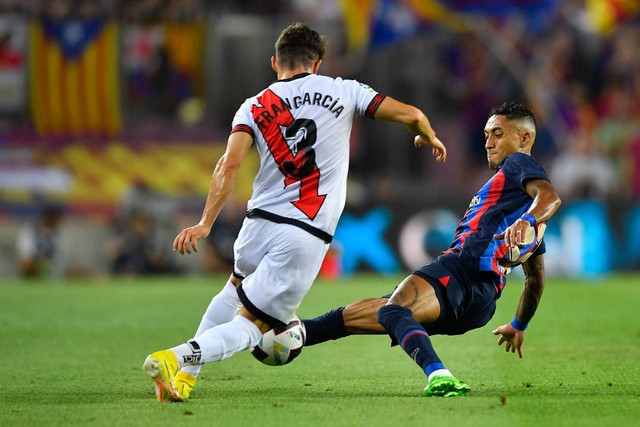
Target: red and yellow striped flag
x: 357, y: 16
x: 606, y: 15
x: 74, y: 78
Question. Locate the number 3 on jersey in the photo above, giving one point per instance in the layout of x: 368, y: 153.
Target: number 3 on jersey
x: 278, y: 126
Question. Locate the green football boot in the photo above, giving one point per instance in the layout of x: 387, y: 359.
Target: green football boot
x: 446, y: 386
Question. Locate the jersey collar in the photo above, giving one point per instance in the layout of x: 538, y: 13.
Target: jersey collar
x: 296, y: 77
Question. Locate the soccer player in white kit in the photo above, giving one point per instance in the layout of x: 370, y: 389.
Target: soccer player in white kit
x: 300, y: 125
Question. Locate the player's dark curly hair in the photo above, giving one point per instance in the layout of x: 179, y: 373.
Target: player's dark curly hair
x: 299, y: 45
x: 514, y: 111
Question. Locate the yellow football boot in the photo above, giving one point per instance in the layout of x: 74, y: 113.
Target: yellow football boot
x: 162, y: 367
x: 184, y: 383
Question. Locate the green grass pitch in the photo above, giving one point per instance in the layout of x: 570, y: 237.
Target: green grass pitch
x: 72, y: 352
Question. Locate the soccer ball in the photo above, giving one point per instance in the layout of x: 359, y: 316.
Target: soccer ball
x: 519, y: 254
x: 280, y: 346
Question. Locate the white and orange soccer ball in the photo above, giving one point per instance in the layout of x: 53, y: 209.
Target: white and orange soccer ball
x: 280, y: 346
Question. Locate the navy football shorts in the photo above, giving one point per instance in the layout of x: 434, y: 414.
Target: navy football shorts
x: 467, y: 297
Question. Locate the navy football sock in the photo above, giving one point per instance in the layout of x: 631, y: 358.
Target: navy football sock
x: 411, y: 336
x: 329, y: 326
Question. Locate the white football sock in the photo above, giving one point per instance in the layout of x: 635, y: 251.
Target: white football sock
x: 440, y: 372
x: 222, y: 309
x: 219, y: 342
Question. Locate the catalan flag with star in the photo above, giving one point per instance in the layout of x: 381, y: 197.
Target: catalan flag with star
x: 74, y: 89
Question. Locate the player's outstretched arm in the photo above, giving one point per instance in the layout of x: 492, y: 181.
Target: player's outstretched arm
x: 416, y: 122
x: 513, y: 333
x: 223, y: 182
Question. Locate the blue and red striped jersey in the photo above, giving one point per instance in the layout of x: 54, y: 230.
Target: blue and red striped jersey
x: 498, y: 204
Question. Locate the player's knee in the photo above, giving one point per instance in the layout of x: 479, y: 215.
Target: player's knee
x: 389, y: 314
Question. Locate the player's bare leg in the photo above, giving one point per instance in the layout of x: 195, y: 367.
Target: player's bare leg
x: 361, y: 316
x: 356, y: 318
x: 418, y: 295
x: 415, y: 293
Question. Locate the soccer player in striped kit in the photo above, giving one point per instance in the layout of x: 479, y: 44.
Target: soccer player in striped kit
x: 458, y: 291
x: 300, y: 125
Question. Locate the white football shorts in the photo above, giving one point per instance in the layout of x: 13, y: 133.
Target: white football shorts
x: 279, y: 263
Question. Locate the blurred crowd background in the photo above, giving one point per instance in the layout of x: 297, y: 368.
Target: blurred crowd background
x: 113, y: 114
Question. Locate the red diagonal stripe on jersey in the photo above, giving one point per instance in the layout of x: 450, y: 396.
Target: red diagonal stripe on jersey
x: 271, y: 116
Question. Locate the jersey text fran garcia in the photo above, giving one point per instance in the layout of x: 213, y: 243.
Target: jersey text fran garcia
x: 301, y: 127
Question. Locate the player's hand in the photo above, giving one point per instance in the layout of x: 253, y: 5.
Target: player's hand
x: 438, y: 150
x: 515, y: 234
x: 188, y: 238
x: 512, y: 337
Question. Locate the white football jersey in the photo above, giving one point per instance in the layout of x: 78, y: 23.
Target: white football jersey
x: 301, y: 128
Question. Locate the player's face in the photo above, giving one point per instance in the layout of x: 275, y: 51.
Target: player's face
x: 502, y: 138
